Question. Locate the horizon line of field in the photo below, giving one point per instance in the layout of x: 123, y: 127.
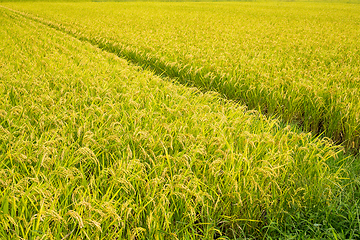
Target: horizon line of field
x: 185, y: 75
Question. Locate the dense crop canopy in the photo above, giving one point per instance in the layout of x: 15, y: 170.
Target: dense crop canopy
x: 299, y: 61
x: 93, y: 147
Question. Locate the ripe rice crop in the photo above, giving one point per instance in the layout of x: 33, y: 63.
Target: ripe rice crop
x: 298, y: 61
x: 93, y: 147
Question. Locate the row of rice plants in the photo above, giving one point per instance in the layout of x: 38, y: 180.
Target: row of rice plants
x: 298, y: 61
x: 92, y: 147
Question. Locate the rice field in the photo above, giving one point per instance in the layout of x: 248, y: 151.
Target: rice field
x: 298, y: 61
x: 105, y: 133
